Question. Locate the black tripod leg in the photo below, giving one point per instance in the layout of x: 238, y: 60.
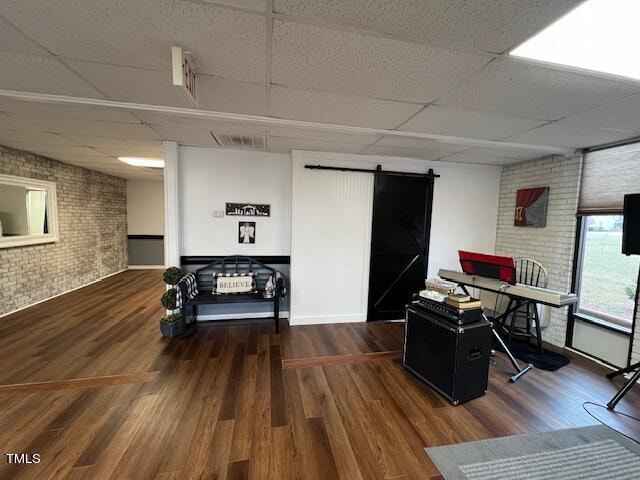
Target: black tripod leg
x: 514, y: 362
x: 623, y: 391
x: 622, y: 371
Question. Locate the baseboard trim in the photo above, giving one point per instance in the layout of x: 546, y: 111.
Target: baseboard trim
x: 146, y: 267
x: 327, y: 319
x: 240, y: 316
x: 62, y: 293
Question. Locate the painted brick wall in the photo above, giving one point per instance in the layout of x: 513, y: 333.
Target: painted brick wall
x: 92, y: 211
x: 552, y: 246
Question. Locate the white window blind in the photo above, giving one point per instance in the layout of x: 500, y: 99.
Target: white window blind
x: 607, y: 176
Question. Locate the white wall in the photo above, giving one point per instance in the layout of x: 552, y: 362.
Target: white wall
x: 465, y: 202
x: 210, y: 177
x: 330, y: 243
x: 465, y: 210
x: 145, y: 207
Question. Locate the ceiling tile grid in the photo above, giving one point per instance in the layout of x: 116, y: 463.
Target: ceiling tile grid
x: 419, y: 66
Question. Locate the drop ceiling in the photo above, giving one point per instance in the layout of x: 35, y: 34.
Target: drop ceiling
x: 435, y: 67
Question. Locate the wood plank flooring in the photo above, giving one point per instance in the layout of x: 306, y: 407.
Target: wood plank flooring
x: 234, y: 400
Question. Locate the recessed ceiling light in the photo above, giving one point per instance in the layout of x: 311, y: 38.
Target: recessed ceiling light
x: 598, y: 35
x: 143, y: 162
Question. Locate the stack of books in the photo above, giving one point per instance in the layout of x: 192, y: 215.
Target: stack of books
x: 462, y: 301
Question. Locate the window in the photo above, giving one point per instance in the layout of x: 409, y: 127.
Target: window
x: 28, y: 213
x: 606, y: 279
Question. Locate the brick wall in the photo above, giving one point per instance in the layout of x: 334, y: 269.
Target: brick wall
x: 552, y: 246
x: 92, y: 222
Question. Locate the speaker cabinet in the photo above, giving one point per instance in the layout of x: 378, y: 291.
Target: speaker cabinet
x: 452, y: 359
x: 631, y: 225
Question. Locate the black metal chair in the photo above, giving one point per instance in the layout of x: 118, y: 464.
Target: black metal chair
x: 532, y: 273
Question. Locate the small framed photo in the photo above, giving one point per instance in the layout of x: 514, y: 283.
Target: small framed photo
x: 246, y: 232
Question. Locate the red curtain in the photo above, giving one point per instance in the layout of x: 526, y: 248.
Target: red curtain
x: 525, y: 198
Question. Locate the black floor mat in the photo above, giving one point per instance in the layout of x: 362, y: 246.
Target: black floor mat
x: 528, y: 353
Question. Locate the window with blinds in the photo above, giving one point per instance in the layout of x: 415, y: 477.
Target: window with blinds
x: 607, y: 176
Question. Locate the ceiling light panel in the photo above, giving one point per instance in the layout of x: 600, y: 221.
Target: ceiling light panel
x: 599, y: 35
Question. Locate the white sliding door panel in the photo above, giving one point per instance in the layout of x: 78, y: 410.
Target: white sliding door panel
x: 330, y: 244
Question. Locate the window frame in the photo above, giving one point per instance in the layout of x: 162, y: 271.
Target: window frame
x: 51, y: 208
x: 574, y: 310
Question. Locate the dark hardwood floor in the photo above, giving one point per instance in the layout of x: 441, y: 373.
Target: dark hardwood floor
x: 87, y: 382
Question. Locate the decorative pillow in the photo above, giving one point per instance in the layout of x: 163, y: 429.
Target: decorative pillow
x: 226, y: 283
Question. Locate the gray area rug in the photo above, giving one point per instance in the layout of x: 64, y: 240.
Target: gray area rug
x: 585, y: 453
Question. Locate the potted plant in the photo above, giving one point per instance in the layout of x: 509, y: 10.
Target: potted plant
x: 172, y: 324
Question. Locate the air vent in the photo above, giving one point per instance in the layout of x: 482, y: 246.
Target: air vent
x: 249, y: 142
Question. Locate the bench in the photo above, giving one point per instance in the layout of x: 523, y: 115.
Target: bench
x: 233, y: 264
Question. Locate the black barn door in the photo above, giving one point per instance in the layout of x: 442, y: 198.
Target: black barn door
x: 399, y: 242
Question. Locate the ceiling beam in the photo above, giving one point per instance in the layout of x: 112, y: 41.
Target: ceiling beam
x: 264, y: 120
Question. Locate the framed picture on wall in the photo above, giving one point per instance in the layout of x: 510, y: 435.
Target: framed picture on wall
x: 531, y: 207
x: 246, y: 232
x: 248, y: 209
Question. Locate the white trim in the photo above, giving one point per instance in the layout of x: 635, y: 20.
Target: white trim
x: 62, y: 293
x: 240, y: 316
x: 146, y: 267
x: 328, y: 319
x: 263, y: 120
x: 51, y: 209
x: 171, y: 205
x: 594, y: 360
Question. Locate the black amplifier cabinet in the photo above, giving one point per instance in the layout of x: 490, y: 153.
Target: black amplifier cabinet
x: 453, y: 359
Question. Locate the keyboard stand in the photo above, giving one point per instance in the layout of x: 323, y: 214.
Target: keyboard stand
x: 520, y: 371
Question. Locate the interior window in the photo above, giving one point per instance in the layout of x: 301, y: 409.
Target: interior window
x: 607, y: 279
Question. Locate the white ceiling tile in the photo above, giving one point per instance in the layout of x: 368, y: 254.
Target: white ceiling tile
x: 421, y: 144
x: 301, y: 133
x: 77, y: 126
x: 316, y: 58
x: 258, y: 5
x: 535, y: 92
x: 480, y: 159
x: 327, y: 108
x: 621, y: 115
x: 13, y: 40
x: 53, y: 151
x: 285, y: 145
x: 114, y: 142
x: 7, y: 122
x: 155, y: 87
x: 489, y: 25
x: 186, y: 136
x: 33, y: 137
x: 31, y: 73
x: 390, y: 151
x: 460, y: 122
x: 224, y: 42
x: 519, y: 155
x: 186, y: 123
x: 75, y: 111
x: 562, y: 134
